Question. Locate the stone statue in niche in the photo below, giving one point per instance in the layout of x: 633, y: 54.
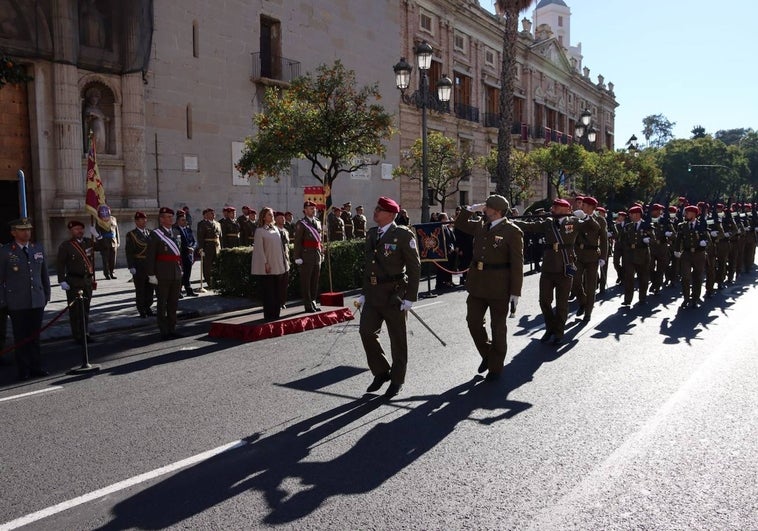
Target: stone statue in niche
x: 91, y: 25
x: 95, y: 119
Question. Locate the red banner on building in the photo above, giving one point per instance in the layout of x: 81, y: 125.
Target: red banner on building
x: 315, y: 194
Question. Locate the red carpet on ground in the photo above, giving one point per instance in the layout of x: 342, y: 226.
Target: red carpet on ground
x: 252, y: 327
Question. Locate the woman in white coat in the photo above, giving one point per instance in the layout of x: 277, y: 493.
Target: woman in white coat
x: 268, y: 263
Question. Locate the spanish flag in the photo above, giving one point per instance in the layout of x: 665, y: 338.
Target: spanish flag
x: 95, y: 192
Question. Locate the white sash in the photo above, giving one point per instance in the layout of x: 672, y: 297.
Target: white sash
x: 168, y: 241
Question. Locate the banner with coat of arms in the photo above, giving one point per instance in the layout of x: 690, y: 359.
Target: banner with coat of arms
x: 432, y: 246
x: 315, y: 194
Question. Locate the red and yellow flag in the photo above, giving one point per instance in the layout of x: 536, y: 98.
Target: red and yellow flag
x: 95, y: 197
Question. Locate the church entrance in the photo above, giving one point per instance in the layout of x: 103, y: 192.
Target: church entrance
x: 15, y: 154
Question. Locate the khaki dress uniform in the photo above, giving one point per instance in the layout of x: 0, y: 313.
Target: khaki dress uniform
x: 230, y: 233
x: 336, y: 227
x: 495, y: 273
x: 307, y: 247
x: 660, y: 254
x: 748, y: 252
x: 136, y: 254
x: 347, y: 220
x: 591, y: 246
x: 166, y: 264
x: 636, y: 258
x: 391, y: 274
x: 359, y: 226
x: 716, y: 256
x: 209, y: 241
x: 75, y: 265
x: 693, y: 259
x: 247, y: 230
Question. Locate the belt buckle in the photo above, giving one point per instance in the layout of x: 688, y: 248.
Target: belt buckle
x: 692, y: 249
x: 480, y: 266
x: 555, y: 247
x: 581, y: 246
x: 634, y: 246
x: 373, y: 280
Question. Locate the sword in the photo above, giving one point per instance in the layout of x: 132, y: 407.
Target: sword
x: 420, y: 320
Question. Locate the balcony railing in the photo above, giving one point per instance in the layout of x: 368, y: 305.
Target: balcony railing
x: 467, y: 112
x: 267, y: 66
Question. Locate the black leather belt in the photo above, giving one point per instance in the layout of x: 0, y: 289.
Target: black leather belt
x: 593, y: 247
x: 385, y: 279
x: 481, y: 266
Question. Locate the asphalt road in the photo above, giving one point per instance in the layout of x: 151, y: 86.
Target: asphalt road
x: 646, y: 419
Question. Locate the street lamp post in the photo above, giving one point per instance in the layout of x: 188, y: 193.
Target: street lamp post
x: 423, y: 100
x: 586, y: 133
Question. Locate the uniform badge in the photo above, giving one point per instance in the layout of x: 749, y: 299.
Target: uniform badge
x: 38, y: 256
x: 498, y: 241
x: 569, y: 227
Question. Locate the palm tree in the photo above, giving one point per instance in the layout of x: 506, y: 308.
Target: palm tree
x: 511, y: 10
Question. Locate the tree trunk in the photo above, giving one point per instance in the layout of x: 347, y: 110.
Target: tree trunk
x: 507, y: 75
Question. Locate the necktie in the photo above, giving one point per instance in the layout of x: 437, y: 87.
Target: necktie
x: 488, y: 226
x: 379, y: 234
x: 26, y: 252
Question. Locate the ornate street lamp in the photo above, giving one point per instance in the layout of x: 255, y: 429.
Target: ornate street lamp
x: 422, y: 99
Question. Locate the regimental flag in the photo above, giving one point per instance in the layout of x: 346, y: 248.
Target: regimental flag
x: 431, y: 242
x: 315, y: 194
x: 95, y: 198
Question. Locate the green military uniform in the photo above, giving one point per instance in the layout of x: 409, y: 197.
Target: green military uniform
x: 660, y: 252
x: 136, y: 254
x: 359, y: 226
x: 748, y: 253
x: 689, y: 238
x: 347, y: 221
x: 716, y: 257
x: 307, y: 248
x: 618, y: 250
x: 611, y: 237
x: 75, y: 266
x: 164, y: 261
x: 591, y: 246
x: 734, y: 233
x: 635, y: 241
x: 247, y: 230
x: 230, y: 233
x: 336, y: 227
x: 391, y: 274
x: 209, y: 241
x: 496, y: 272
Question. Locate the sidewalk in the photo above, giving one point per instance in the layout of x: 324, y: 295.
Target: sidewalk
x: 113, y: 306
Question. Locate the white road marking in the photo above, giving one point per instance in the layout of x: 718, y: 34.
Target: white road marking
x: 30, y: 393
x: 121, y: 485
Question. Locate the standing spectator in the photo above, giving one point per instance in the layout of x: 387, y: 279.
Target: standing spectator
x: 359, y: 223
x: 269, y: 264
x: 347, y: 219
x: 164, y: 270
x: 107, y: 240
x: 209, y: 240
x: 390, y: 286
x: 308, y: 255
x: 136, y: 256
x: 284, y: 278
x: 189, y: 245
x: 247, y: 226
x: 495, y: 281
x: 76, y: 272
x: 25, y: 290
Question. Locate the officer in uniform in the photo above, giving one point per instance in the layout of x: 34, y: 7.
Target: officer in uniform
x: 136, y: 254
x: 660, y: 247
x: 230, y: 229
x: 733, y: 232
x: 189, y: 245
x: 76, y: 272
x: 164, y: 270
x: 559, y: 231
x: 672, y: 271
x: 690, y: 246
x: 347, y: 219
x: 618, y: 248
x: 336, y: 225
x: 591, y: 254
x: 359, y: 223
x: 611, y: 235
x: 209, y: 240
x: 308, y: 255
x: 247, y: 226
x: 25, y: 290
x: 390, y: 286
x: 635, y: 241
x: 495, y: 278
x: 289, y: 224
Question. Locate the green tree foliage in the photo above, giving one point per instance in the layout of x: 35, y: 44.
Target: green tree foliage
x: 323, y: 118
x: 524, y: 173
x: 749, y: 147
x: 698, y: 131
x: 11, y: 72
x: 732, y: 137
x: 447, y: 165
x: 657, y: 130
x: 607, y: 172
x: 556, y: 157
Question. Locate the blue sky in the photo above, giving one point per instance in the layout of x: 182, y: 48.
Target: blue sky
x: 687, y: 60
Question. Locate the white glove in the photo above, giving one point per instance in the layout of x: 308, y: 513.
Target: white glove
x: 405, y: 305
x: 132, y: 271
x: 513, y: 302
x: 359, y: 301
x: 714, y: 233
x: 645, y: 240
x: 299, y: 261
x: 65, y: 286
x: 703, y: 243
x: 580, y: 214
x: 152, y: 279
x: 678, y: 254
x: 727, y: 234
x: 610, y: 235
x: 93, y: 232
x: 668, y: 234
x: 601, y: 263
x: 476, y: 208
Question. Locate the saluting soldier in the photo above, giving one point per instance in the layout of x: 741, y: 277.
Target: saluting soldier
x: 25, y: 290
x: 230, y: 229
x: 495, y: 279
x: 690, y: 247
x: 559, y: 231
x: 591, y: 253
x: 335, y: 225
x: 247, y: 226
x: 209, y: 240
x: 347, y: 219
x: 76, y: 272
x: 635, y: 240
x: 164, y: 270
x: 359, y: 223
x: 136, y: 254
x: 390, y: 286
x: 308, y: 254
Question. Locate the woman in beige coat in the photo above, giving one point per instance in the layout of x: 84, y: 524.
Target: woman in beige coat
x: 268, y: 263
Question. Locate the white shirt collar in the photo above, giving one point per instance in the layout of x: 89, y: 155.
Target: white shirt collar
x: 498, y: 220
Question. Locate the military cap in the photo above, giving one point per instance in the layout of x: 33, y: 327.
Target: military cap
x: 388, y: 205
x: 561, y: 203
x: 498, y: 202
x: 277, y: 214
x: 181, y: 214
x: 590, y: 201
x: 692, y: 208
x: 309, y: 204
x: 166, y: 210
x: 621, y: 213
x: 245, y: 207
x: 74, y: 223
x: 601, y: 210
x: 656, y: 206
x: 344, y: 205
x: 748, y: 206
x: 673, y: 209
x: 720, y: 205
x: 359, y: 207
x: 682, y: 199
x: 579, y: 198
x: 288, y: 213
x: 736, y: 206
x: 21, y: 223
x: 140, y: 215
x: 231, y: 209
x: 636, y: 209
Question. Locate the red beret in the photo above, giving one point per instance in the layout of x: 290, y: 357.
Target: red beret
x: 579, y: 198
x: 621, y: 213
x: 245, y: 207
x: 140, y: 215
x: 231, y: 209
x: 278, y: 214
x: 561, y: 203
x: 748, y: 206
x: 209, y: 210
x: 388, y: 205
x: 636, y: 209
x: 309, y: 204
x: 601, y: 209
x: 590, y: 201
x: 701, y: 204
x: 719, y: 205
x: 656, y: 206
x: 682, y: 199
x: 75, y: 223
x: 673, y: 209
x: 345, y: 205
x: 692, y: 208
x: 181, y: 214
x: 166, y: 210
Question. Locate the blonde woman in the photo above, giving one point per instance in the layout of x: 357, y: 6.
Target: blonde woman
x: 268, y: 263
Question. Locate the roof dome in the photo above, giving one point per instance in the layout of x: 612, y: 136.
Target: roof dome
x: 544, y: 3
